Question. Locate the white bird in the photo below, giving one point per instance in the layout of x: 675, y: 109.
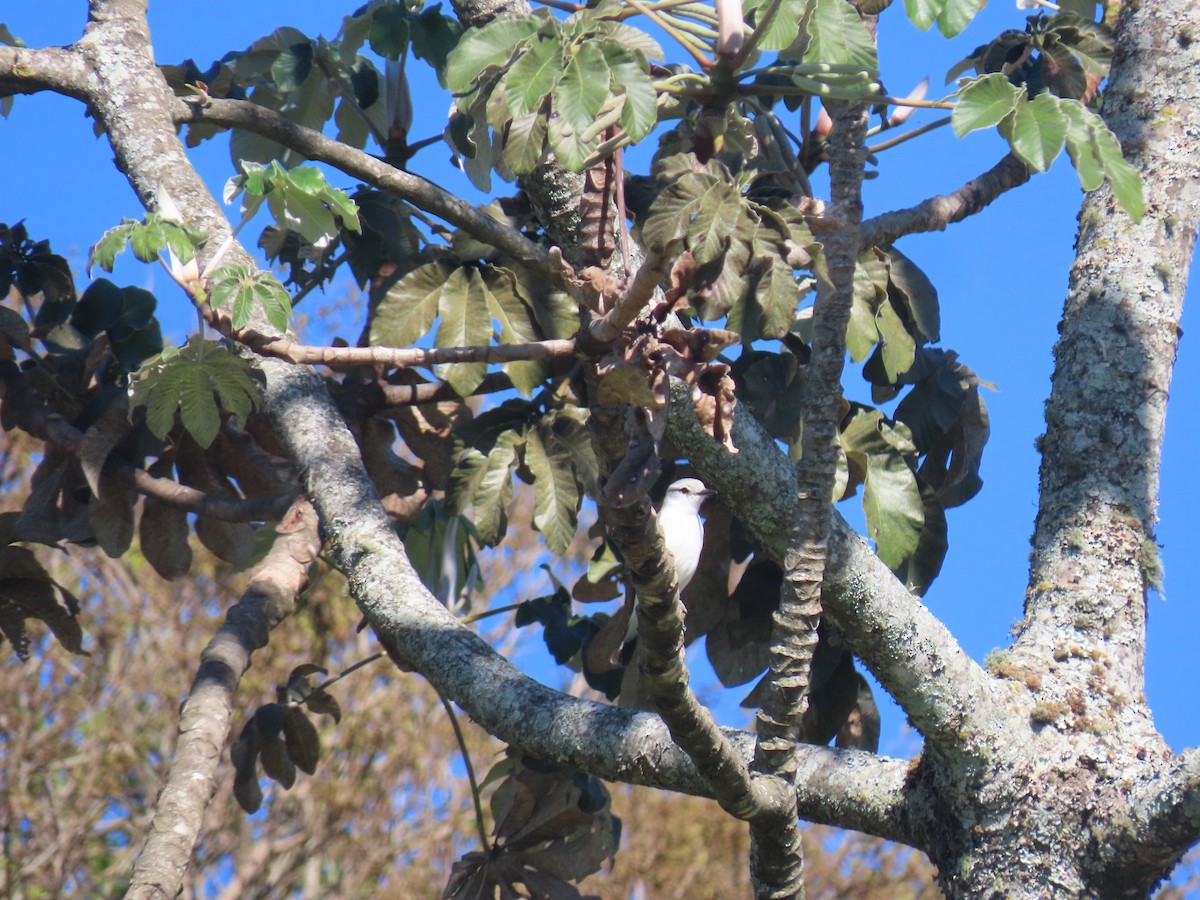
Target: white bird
x: 683, y: 532
x: 681, y: 526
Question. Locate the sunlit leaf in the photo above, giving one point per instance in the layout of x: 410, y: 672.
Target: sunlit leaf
x: 556, y: 497
x: 1036, y: 130
x: 983, y: 103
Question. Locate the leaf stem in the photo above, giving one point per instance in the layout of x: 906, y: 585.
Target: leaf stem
x: 475, y: 798
x: 684, y: 40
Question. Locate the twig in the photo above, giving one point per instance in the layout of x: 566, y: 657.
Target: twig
x: 908, y: 135
x: 704, y: 61
x: 462, y: 746
x: 605, y: 329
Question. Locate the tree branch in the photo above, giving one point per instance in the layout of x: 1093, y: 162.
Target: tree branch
x: 607, y: 742
x: 777, y: 859
x: 949, y: 698
x: 390, y: 357
x: 416, y: 190
x: 633, y: 530
x: 936, y: 213
x: 206, y: 717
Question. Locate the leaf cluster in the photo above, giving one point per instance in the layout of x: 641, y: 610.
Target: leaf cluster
x: 552, y: 827
x: 1038, y: 128
x: 282, y: 737
x: 550, y: 450
x: 538, y: 81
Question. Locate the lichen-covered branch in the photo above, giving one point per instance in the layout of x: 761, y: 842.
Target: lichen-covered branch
x: 949, y: 698
x: 1094, y: 551
x: 633, y: 530
x: 207, y: 714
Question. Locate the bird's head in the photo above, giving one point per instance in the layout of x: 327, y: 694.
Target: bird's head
x: 688, y: 492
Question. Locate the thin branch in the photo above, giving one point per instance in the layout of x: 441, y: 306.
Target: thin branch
x: 207, y: 715
x: 777, y: 860
x: 632, y: 528
x: 438, y: 391
x: 416, y: 190
x: 391, y: 357
x: 684, y: 41
x: 484, y: 844
x: 908, y: 135
x: 936, y: 213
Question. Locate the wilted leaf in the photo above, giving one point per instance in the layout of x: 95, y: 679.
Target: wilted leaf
x: 163, y: 537
x: 303, y: 742
x: 31, y: 598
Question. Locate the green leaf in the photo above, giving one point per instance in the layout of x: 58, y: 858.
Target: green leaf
x: 917, y: 292
x: 838, y: 36
x: 924, y: 13
x: 1126, y: 182
x: 672, y: 210
x: 1082, y: 145
x: 480, y: 49
x: 533, y: 75
x: 484, y: 484
x: 244, y: 289
x: 389, y: 31
x: 1062, y: 71
x: 894, y: 509
x: 410, y: 306
x: 870, y: 290
x: 292, y: 66
x: 717, y: 220
x: 781, y: 32
x: 518, y: 325
x: 434, y: 36
x: 569, y: 145
x: 556, y: 496
x: 899, y: 347
x: 957, y: 15
x: 147, y: 239
x: 192, y: 380
x: 1036, y: 131
x: 584, y: 87
x: 640, y: 112
x: 465, y: 322
x: 984, y: 102
x: 634, y: 40
x: 524, y: 141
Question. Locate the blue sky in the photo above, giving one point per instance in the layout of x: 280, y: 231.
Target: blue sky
x: 1001, y: 275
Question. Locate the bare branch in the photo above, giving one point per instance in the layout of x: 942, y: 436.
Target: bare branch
x: 949, y: 698
x: 207, y: 715
x: 390, y: 357
x: 412, y: 188
x: 936, y: 213
x: 605, y: 330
